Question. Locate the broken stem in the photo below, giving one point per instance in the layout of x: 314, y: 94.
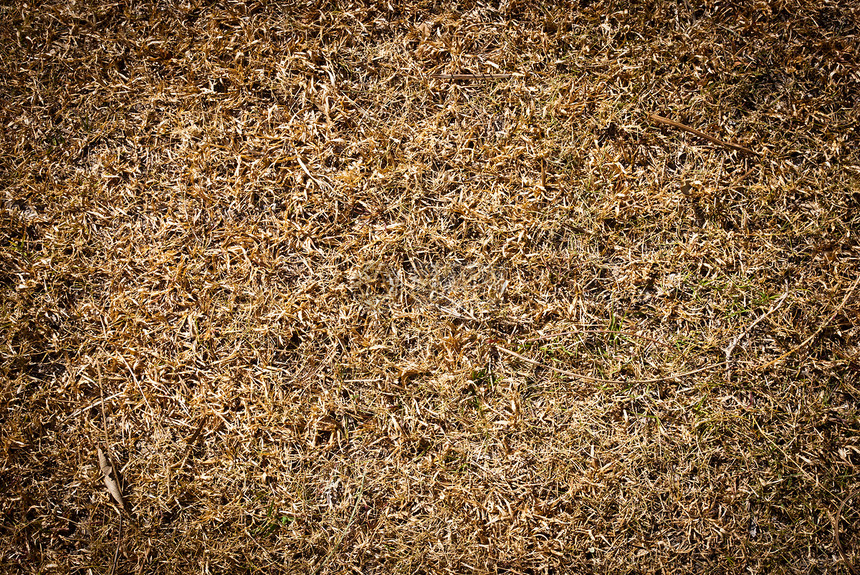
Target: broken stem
x: 708, y: 137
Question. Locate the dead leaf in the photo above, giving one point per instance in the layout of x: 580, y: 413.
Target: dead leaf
x: 426, y: 28
x: 110, y: 479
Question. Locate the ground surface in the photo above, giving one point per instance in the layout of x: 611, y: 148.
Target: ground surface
x: 315, y: 303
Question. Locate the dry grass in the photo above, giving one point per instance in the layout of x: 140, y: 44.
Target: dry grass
x: 275, y: 261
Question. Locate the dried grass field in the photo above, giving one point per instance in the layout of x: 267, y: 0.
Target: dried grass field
x: 430, y: 287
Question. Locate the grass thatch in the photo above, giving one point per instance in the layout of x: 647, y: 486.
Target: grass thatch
x: 324, y: 308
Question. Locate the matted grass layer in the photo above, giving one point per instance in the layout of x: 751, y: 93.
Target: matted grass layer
x: 325, y: 311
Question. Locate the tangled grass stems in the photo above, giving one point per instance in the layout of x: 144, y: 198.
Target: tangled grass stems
x: 254, y: 248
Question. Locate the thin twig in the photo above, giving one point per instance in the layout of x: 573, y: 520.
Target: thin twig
x: 348, y: 525
x: 742, y: 177
x: 708, y: 137
x: 107, y: 443
x: 471, y: 76
x: 96, y: 403
x: 102, y: 403
x: 190, y: 443
x: 836, y: 532
x: 817, y: 331
x: 609, y: 331
x: 116, y: 551
x: 600, y: 379
x: 744, y: 333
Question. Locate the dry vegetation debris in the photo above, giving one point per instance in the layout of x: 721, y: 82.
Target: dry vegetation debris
x: 275, y: 251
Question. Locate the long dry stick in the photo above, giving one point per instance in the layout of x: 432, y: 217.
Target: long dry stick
x: 708, y: 137
x: 836, y: 532
x: 607, y: 331
x: 471, y: 76
x: 602, y: 380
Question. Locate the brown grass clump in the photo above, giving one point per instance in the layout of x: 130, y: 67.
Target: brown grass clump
x: 425, y: 288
